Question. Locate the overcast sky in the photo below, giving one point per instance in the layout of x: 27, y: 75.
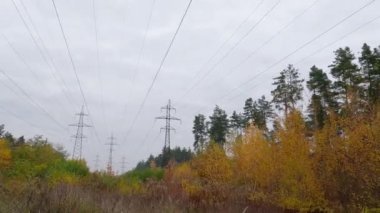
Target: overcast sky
x: 206, y: 65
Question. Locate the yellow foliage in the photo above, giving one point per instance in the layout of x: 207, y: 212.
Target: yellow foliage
x: 348, y: 160
x: 213, y: 165
x: 129, y: 187
x: 253, y: 159
x: 278, y: 172
x: 59, y: 178
x: 187, y: 178
x: 213, y: 170
x: 298, y: 186
x: 183, y: 171
x: 5, y: 154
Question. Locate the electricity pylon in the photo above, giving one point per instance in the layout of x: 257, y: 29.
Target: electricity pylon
x: 123, y: 163
x: 109, y: 164
x: 79, y: 136
x: 168, y: 118
x: 97, y: 163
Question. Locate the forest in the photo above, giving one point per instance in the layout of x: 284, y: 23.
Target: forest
x: 272, y: 156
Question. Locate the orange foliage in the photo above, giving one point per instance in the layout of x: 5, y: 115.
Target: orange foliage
x: 214, y: 172
x: 279, y: 173
x: 188, y: 180
x: 254, y: 160
x: 348, y: 161
x: 5, y: 154
x: 213, y: 165
x: 298, y: 187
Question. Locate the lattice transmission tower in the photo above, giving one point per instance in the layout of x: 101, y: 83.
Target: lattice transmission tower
x: 109, y: 164
x: 168, y: 128
x: 97, y: 161
x: 123, y: 165
x: 79, y: 136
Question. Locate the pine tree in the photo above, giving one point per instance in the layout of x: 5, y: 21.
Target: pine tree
x: 288, y: 89
x: 322, y: 98
x: 376, y: 77
x: 248, y: 112
x: 236, y: 122
x: 200, y: 132
x: 347, y: 75
x: 2, y: 131
x: 218, y: 126
x: 370, y: 65
x: 263, y: 113
x: 255, y: 113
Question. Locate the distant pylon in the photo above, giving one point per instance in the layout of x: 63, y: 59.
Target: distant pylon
x: 97, y: 163
x: 168, y: 118
x: 109, y: 164
x: 123, y: 162
x: 77, y: 151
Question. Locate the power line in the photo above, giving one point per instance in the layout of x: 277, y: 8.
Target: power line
x: 209, y: 71
x: 225, y: 42
x: 158, y: 70
x: 31, y: 100
x: 99, y: 71
x: 74, y: 68
x: 21, y: 58
x: 52, y: 68
x: 20, y: 117
x: 338, y: 39
x: 24, y: 120
x: 137, y: 148
x: 266, y: 42
x: 297, y: 49
x: 156, y: 137
x: 147, y: 135
x: 124, y: 33
x: 140, y: 53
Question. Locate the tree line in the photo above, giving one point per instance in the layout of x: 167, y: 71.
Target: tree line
x: 274, y: 156
x: 177, y: 154
x: 353, y: 87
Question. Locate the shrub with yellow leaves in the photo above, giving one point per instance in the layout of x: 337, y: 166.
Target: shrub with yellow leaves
x: 214, y: 171
x: 5, y: 154
x: 278, y: 172
x: 347, y: 161
x: 213, y: 165
x: 255, y: 164
x: 298, y: 187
